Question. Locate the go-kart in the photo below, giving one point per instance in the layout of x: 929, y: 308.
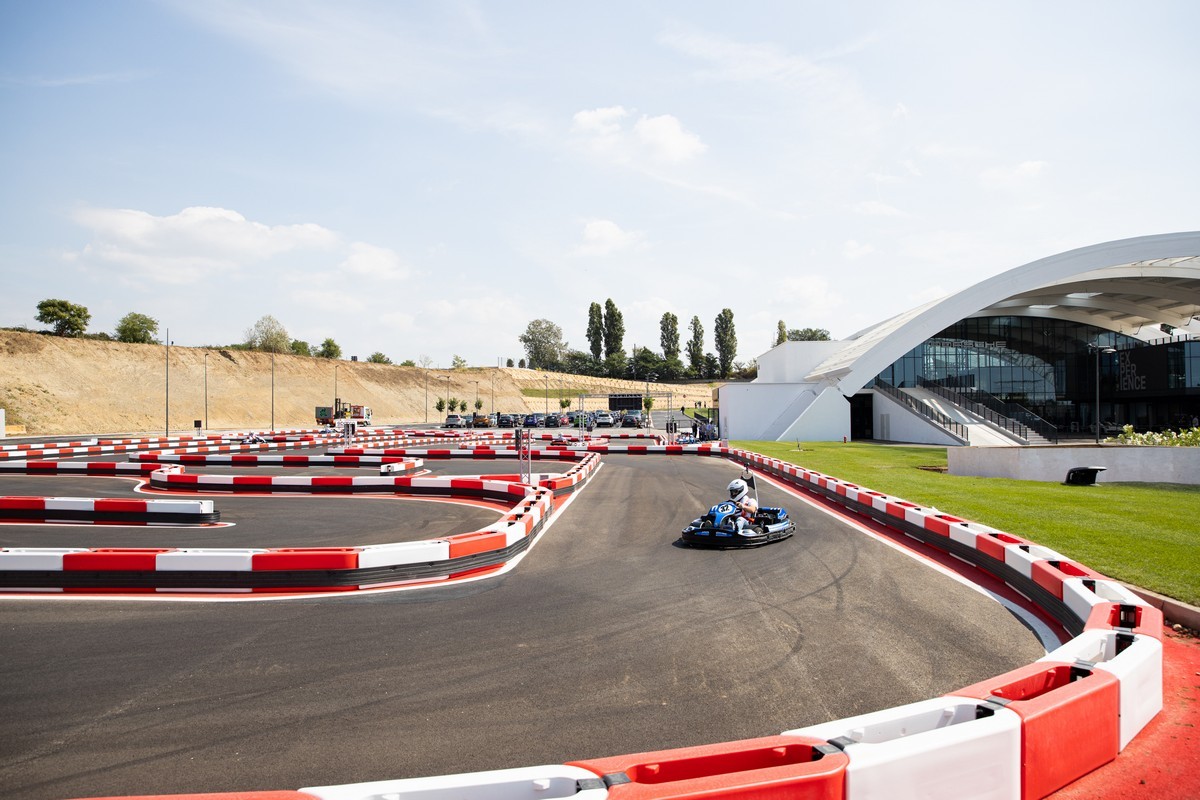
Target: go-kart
x: 720, y: 527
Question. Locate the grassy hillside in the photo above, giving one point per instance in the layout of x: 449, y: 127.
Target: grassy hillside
x: 54, y: 385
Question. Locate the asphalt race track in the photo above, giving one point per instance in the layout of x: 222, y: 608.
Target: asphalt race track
x: 607, y: 638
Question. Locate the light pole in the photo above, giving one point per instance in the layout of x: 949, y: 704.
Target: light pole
x: 206, y: 391
x: 427, y: 395
x: 476, y: 406
x: 272, y: 392
x: 494, y: 387
x: 167, y: 412
x: 1097, y: 349
x: 335, y: 394
x: 448, y: 389
x: 547, y: 377
x: 650, y: 376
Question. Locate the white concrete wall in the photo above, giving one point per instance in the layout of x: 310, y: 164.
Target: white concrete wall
x: 827, y: 419
x: 894, y: 422
x: 2, y: 434
x: 1121, y: 463
x: 749, y: 409
x: 791, y: 361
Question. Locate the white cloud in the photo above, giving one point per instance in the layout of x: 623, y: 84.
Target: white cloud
x: 375, y: 263
x: 853, y: 250
x: 184, y: 247
x: 602, y: 237
x: 651, y: 140
x: 599, y: 121
x: 666, y: 139
x: 1012, y: 178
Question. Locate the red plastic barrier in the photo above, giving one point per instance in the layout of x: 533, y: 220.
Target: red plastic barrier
x: 110, y: 505
x: 1051, y: 574
x: 994, y: 544
x: 468, y: 544
x: 1146, y: 620
x: 109, y: 559
x: 772, y: 767
x: 22, y: 503
x: 1069, y: 720
x: 306, y: 558
x: 940, y: 523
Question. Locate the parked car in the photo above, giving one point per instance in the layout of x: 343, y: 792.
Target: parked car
x: 532, y: 421
x: 506, y: 421
x: 454, y: 421
x: 632, y: 419
x: 481, y: 421
x: 551, y: 420
x: 604, y: 419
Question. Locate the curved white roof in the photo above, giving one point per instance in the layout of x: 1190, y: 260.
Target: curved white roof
x: 1130, y: 286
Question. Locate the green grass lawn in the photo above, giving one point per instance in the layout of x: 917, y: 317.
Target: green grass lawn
x: 1147, y: 534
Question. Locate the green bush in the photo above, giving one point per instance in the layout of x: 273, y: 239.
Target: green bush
x: 1184, y: 438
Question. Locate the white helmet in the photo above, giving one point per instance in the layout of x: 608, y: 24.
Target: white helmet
x: 738, y: 490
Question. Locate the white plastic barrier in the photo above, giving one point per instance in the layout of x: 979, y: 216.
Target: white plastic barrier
x: 203, y: 559
x: 1021, y: 557
x: 49, y: 559
x: 385, y: 555
x: 936, y: 749
x: 523, y: 783
x: 1137, y: 663
x: 1080, y: 599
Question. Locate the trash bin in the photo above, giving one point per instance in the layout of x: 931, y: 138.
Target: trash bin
x: 1083, y: 476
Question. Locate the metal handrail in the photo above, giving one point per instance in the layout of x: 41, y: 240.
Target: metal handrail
x: 934, y: 416
x: 978, y: 409
x: 1044, y: 428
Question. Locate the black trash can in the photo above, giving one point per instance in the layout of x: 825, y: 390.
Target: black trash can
x: 1083, y: 476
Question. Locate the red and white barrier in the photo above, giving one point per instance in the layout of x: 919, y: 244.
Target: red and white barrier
x: 941, y: 749
x: 522, y: 783
x: 775, y: 766
x: 106, y: 509
x: 1056, y: 703
x: 1136, y: 662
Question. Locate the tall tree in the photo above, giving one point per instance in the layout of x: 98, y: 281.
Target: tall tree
x: 725, y: 338
x: 67, y: 318
x: 378, y: 358
x: 330, y: 349
x: 136, y: 328
x: 808, y: 335
x: 695, y: 347
x: 781, y: 336
x: 268, y: 335
x: 595, y: 330
x: 543, y: 344
x: 668, y: 328
x: 301, y: 347
x: 614, y: 330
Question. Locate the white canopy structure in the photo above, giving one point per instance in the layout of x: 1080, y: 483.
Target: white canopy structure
x: 1130, y: 286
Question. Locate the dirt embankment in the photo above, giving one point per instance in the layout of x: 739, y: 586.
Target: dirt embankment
x: 53, y: 385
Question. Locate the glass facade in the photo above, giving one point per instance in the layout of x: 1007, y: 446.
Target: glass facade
x: 1048, y: 368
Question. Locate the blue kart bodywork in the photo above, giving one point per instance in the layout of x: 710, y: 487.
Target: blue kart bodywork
x: 719, y: 528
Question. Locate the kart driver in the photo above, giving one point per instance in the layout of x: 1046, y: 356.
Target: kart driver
x: 739, y: 493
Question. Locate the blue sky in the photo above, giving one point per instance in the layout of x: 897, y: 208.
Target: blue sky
x: 425, y: 178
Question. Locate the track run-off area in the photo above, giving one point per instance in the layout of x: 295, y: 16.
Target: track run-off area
x: 600, y: 635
